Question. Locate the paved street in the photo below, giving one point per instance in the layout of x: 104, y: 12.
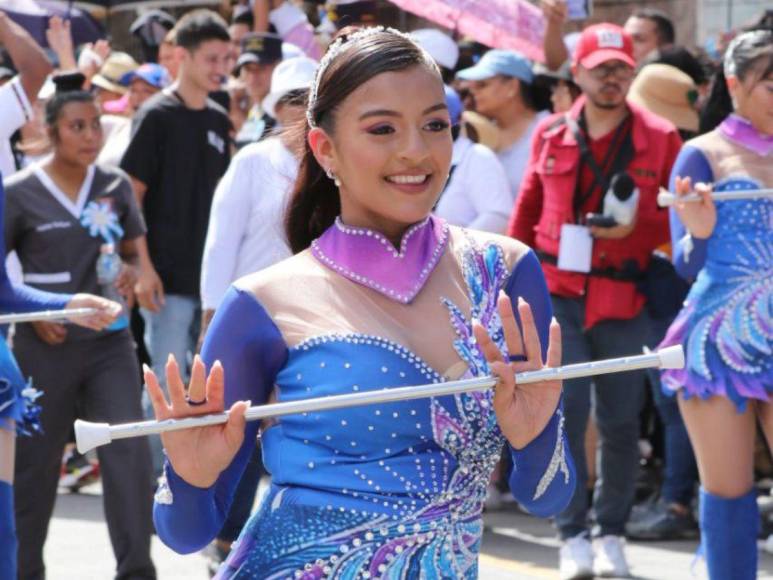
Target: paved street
x: 515, y: 547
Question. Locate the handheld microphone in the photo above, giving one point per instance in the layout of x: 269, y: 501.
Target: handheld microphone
x: 620, y: 203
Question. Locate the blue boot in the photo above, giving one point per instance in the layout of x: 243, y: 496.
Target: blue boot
x: 729, y: 530
x: 8, y: 544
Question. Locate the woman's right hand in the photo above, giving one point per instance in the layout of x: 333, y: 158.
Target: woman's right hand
x: 199, y: 454
x: 699, y: 217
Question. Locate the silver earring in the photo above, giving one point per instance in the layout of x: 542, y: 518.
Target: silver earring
x: 333, y: 177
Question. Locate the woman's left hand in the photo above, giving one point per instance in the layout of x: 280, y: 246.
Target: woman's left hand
x: 106, y: 311
x: 126, y: 280
x: 522, y: 411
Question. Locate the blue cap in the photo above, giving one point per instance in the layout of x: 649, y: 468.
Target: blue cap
x: 499, y: 62
x: 150, y: 72
x: 454, y: 103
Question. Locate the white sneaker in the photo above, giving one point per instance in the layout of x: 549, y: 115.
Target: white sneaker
x: 610, y: 559
x: 576, y: 559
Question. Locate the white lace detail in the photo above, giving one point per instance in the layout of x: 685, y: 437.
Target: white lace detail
x: 164, y: 494
x: 557, y: 462
x: 687, y: 246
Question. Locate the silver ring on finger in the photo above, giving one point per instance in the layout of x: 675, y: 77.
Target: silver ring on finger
x: 195, y: 403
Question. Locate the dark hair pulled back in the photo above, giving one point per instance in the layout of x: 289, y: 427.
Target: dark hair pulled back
x: 750, y: 52
x: 68, y: 89
x: 314, y: 202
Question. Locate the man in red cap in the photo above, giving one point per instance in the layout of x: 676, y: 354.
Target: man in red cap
x: 605, y: 158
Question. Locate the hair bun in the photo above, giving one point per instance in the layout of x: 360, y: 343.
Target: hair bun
x: 68, y: 82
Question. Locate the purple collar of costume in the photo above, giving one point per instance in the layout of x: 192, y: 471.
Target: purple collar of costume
x: 366, y: 257
x: 741, y: 131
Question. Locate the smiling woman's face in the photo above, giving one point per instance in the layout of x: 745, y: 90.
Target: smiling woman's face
x: 390, y: 148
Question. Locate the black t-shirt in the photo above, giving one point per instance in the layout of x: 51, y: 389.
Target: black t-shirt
x: 180, y: 154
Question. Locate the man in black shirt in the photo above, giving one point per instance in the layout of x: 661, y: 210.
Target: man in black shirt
x: 180, y: 148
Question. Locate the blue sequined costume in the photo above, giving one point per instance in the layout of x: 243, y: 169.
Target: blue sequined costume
x: 385, y: 491
x: 726, y: 325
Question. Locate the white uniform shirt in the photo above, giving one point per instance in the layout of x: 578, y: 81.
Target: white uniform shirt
x: 15, y: 111
x: 117, y: 133
x: 477, y: 195
x: 246, y: 225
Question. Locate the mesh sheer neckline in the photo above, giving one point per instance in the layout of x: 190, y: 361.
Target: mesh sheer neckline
x: 307, y: 300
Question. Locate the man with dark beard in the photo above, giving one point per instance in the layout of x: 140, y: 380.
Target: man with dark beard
x: 578, y: 162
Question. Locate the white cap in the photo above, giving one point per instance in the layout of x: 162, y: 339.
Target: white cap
x: 289, y: 75
x: 439, y: 45
x: 290, y: 50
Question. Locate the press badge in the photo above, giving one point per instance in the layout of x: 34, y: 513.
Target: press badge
x: 575, y: 248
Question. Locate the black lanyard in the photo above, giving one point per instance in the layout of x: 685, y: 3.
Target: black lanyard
x: 616, y: 159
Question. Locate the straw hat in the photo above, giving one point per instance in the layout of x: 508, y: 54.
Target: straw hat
x: 109, y: 76
x: 668, y: 92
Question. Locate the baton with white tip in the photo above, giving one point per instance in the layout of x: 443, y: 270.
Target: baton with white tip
x: 89, y: 435
x: 47, y: 315
x: 666, y: 198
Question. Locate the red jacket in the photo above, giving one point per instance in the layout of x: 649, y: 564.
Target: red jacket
x: 545, y: 203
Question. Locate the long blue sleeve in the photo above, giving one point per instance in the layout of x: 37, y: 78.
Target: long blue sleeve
x: 245, y: 340
x: 19, y: 297
x: 543, y: 477
x: 693, y: 164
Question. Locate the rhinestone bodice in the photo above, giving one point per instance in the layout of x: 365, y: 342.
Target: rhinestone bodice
x: 387, y: 490
x: 392, y: 458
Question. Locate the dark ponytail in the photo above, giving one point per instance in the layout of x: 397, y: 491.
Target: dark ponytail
x: 314, y: 203
x: 718, y: 104
x: 351, y: 62
x: 749, y: 53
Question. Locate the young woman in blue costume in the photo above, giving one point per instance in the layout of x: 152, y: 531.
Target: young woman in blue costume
x: 725, y: 325
x: 378, y: 294
x: 19, y: 409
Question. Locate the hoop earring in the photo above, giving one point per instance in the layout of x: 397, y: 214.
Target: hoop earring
x: 332, y: 176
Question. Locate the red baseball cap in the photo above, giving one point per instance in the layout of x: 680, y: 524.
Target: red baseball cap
x: 601, y: 43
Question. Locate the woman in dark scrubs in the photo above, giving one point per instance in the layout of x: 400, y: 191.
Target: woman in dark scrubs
x: 61, y: 216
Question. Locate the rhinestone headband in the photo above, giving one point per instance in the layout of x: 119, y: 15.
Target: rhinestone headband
x: 334, y: 50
